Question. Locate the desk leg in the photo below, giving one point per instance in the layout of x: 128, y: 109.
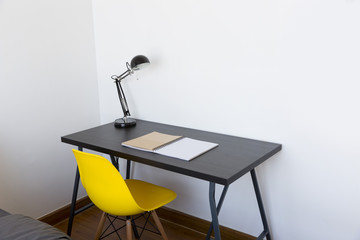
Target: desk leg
x: 115, y: 161
x: 73, y: 201
x: 128, y: 168
x: 215, y: 210
x: 218, y: 208
x: 266, y: 231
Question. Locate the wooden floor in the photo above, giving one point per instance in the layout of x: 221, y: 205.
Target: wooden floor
x: 85, y: 224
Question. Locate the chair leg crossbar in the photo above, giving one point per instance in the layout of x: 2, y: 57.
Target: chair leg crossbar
x: 112, y: 227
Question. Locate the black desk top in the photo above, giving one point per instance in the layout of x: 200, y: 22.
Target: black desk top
x: 234, y: 157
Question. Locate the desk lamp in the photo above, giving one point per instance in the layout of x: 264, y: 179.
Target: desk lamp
x: 137, y: 63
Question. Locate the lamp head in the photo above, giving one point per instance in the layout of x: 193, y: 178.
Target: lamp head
x: 139, y: 62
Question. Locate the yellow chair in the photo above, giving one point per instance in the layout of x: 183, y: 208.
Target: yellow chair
x: 113, y: 195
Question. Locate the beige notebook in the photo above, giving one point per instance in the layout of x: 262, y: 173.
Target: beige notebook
x: 172, y: 146
x: 151, y: 141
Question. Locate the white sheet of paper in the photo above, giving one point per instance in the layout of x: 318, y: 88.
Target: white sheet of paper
x: 186, y: 148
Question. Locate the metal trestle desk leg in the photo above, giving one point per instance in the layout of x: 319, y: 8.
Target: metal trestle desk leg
x: 73, y: 201
x: 215, y: 210
x: 266, y: 232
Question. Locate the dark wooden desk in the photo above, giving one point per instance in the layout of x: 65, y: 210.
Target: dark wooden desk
x: 234, y: 157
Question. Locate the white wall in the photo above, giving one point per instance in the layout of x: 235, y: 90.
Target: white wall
x: 48, y: 89
x: 282, y: 71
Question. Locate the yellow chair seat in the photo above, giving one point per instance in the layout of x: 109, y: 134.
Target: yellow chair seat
x: 149, y: 196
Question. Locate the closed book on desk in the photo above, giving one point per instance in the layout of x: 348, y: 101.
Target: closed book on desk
x: 169, y: 145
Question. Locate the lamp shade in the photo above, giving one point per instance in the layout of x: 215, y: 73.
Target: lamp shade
x: 138, y: 62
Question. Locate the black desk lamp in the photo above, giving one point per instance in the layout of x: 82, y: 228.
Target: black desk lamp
x: 137, y: 63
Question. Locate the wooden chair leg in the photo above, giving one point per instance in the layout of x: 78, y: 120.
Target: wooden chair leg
x: 100, y: 226
x: 129, y: 231
x: 159, y: 225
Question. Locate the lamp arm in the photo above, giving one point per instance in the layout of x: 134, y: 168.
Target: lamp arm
x: 122, y: 99
x: 123, y: 75
x: 120, y: 91
x: 128, y: 72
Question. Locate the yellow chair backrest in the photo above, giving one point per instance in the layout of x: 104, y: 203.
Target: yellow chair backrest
x: 105, y: 186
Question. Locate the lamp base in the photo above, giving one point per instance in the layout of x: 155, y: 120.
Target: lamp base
x: 124, y: 122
